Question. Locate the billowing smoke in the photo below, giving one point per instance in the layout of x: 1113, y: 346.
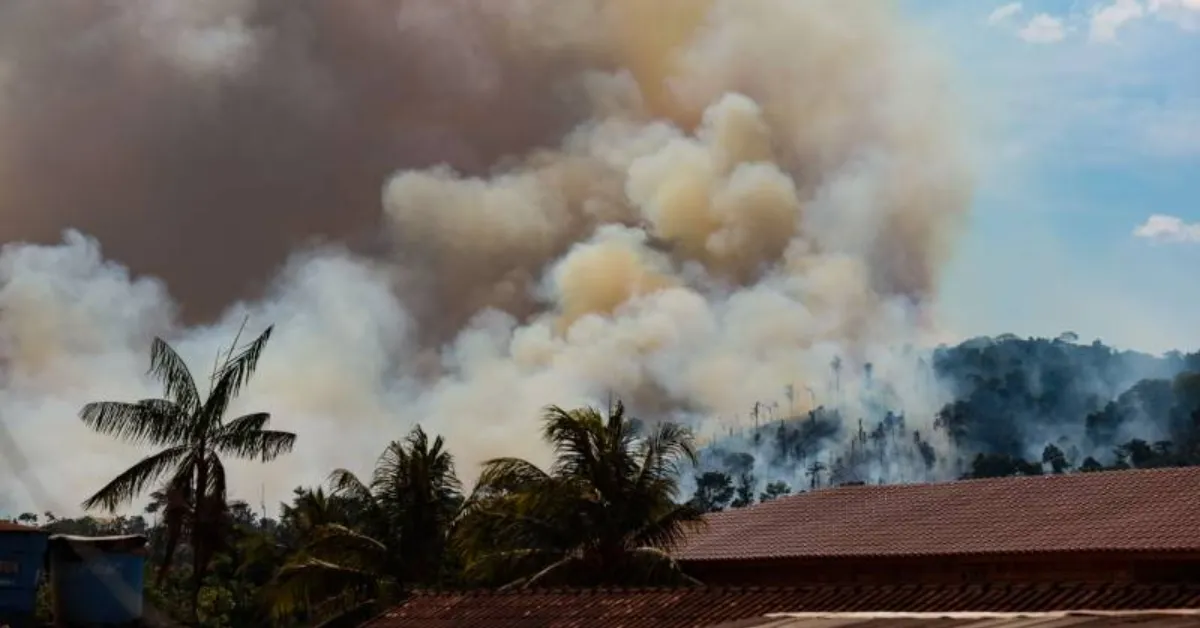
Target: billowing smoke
x: 694, y: 204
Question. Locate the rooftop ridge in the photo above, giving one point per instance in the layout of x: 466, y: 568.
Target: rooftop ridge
x: 738, y: 589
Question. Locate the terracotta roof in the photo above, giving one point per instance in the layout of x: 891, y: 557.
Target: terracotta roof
x: 1143, y: 510
x: 8, y: 526
x: 706, y: 606
x: 1151, y: 619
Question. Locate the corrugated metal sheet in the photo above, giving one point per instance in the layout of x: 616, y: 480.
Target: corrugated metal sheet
x: 1082, y: 619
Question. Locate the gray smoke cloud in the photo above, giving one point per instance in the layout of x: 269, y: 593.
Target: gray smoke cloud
x: 693, y: 204
x: 237, y: 131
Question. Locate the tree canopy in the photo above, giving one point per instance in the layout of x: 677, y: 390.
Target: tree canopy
x: 191, y: 434
x: 605, y: 511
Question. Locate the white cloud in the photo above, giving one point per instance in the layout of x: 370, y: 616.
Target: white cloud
x: 1107, y: 21
x: 1004, y: 13
x: 1043, y: 29
x: 1184, y: 13
x: 1163, y: 228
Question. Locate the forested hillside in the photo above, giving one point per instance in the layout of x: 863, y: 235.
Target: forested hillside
x: 1008, y: 406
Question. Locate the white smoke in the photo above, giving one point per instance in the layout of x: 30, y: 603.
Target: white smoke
x: 767, y: 186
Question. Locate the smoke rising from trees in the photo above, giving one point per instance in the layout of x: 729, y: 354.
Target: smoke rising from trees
x: 456, y: 212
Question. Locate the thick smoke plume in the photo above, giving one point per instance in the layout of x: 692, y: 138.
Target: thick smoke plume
x: 692, y: 204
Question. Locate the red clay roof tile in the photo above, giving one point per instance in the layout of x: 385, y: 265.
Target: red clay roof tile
x: 1152, y: 619
x: 1141, y: 510
x: 8, y: 526
x: 705, y: 606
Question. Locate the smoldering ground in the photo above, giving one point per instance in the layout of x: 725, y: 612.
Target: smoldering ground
x: 689, y: 203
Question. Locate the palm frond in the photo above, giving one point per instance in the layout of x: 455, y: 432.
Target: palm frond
x: 510, y: 474
x: 346, y: 484
x: 158, y: 499
x: 312, y: 509
x: 616, y: 417
x: 228, y: 381
x: 333, y: 540
x: 178, y: 384
x: 337, y: 562
x: 668, y: 530
x: 555, y: 573
x: 648, y: 565
x: 135, y: 479
x: 244, y: 438
x: 238, y: 369
x: 245, y: 424
x: 549, y: 517
x: 308, y: 579
x: 418, y: 440
x: 148, y: 422
x: 391, y: 469
x: 572, y: 434
x: 415, y: 473
x: 509, y: 567
x: 604, y: 511
x: 440, y: 465
x: 216, y: 488
x: 663, y: 450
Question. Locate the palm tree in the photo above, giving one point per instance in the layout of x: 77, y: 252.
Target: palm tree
x: 404, y: 514
x: 605, y: 512
x: 310, y: 510
x: 193, y: 435
x: 414, y: 493
x: 337, y: 569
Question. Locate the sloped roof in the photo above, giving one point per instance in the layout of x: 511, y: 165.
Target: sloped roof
x: 706, y: 606
x: 1143, y: 619
x: 1141, y: 510
x: 9, y: 526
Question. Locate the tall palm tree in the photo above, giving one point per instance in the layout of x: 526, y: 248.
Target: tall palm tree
x: 413, y: 493
x: 403, y: 516
x: 193, y: 435
x: 604, y: 513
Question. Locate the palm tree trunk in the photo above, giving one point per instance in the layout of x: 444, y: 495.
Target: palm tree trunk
x: 198, y: 522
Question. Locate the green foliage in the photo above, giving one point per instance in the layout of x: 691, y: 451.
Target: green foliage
x: 775, y: 490
x: 366, y: 539
x: 216, y: 606
x: 714, y: 491
x: 192, y: 435
x: 1009, y: 399
x: 744, y: 495
x: 1054, y: 457
x: 603, y: 513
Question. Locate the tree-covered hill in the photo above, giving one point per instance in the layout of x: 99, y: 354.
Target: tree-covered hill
x: 1004, y: 406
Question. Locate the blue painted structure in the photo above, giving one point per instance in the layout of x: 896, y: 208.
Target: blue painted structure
x: 22, y: 554
x: 97, y: 581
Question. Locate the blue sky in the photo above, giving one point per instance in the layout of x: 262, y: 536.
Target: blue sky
x: 1088, y: 122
